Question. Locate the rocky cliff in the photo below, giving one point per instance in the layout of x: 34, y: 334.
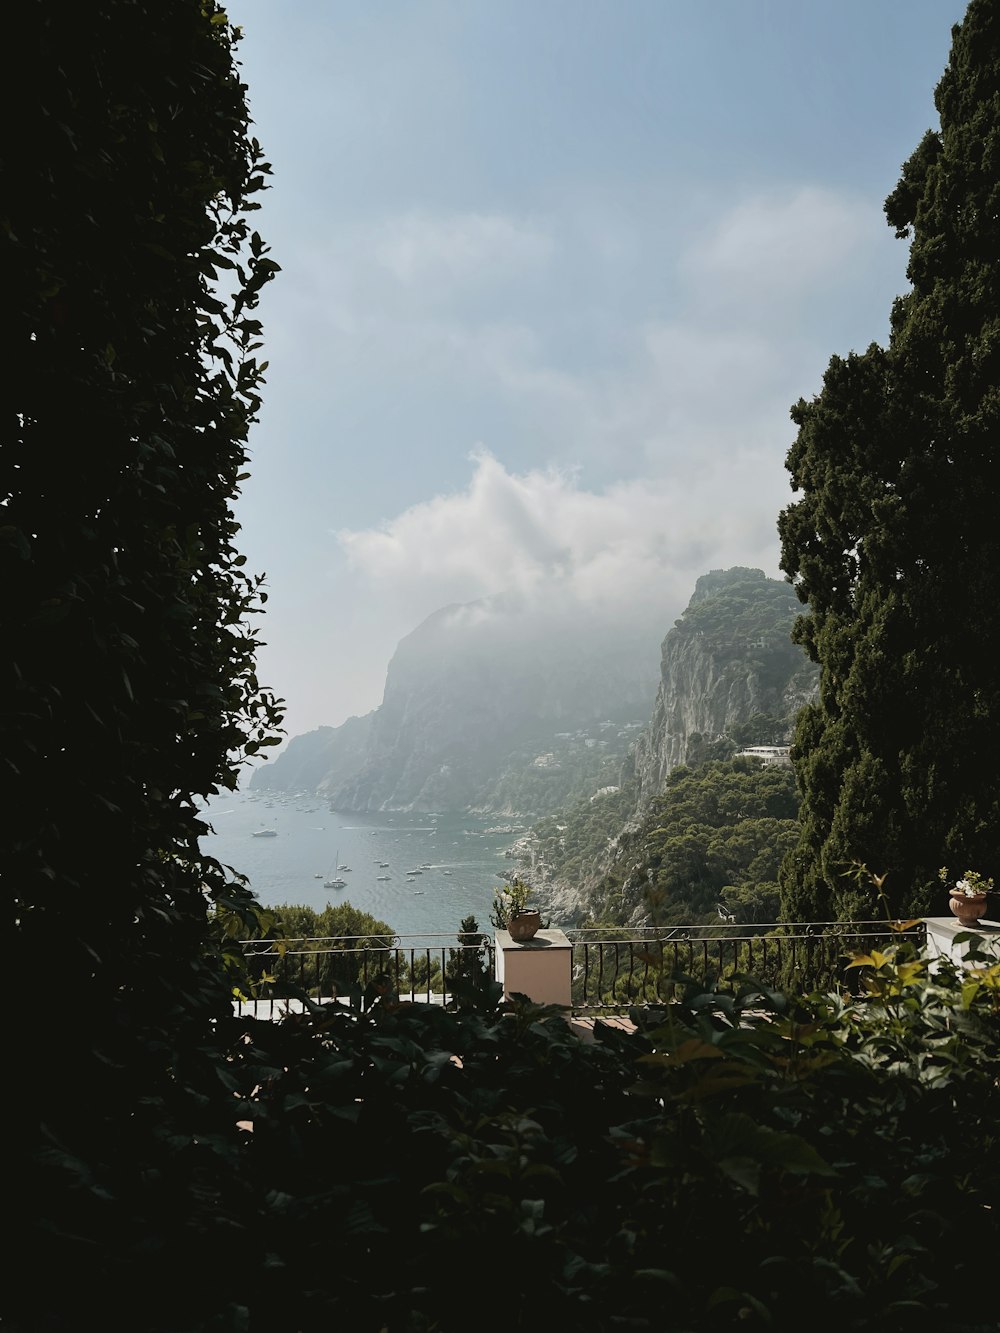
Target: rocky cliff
x: 493, y: 706
x: 729, y: 677
x: 497, y: 707
x: 319, y: 760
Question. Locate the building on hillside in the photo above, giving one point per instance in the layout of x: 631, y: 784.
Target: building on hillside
x: 769, y: 754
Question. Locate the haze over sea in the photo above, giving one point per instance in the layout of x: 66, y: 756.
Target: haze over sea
x: 460, y: 859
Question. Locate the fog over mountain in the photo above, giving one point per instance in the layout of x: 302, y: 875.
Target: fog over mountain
x: 506, y: 704
x: 520, y: 704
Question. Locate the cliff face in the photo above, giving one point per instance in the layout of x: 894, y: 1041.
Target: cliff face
x: 729, y: 676
x: 494, y: 707
x: 488, y: 707
x: 318, y: 759
x: 497, y: 707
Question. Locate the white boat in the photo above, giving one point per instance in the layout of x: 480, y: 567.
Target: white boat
x: 335, y: 882
x: 266, y: 833
x: 383, y: 877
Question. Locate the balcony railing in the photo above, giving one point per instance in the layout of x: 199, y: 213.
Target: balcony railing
x: 612, y: 969
x: 357, y: 970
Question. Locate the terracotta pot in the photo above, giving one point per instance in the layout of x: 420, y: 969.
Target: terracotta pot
x: 968, y: 910
x: 524, y: 926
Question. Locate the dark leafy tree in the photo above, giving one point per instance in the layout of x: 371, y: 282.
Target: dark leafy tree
x: 894, y: 544
x: 469, y: 975
x: 332, y: 952
x: 130, y: 274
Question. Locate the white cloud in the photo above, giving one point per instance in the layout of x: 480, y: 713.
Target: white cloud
x: 364, y: 277
x: 774, y: 252
x: 688, y: 426
x: 457, y: 247
x: 727, y: 330
x: 638, y: 437
x: 544, y: 537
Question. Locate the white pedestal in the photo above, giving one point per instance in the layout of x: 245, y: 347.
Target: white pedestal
x: 541, y: 968
x: 941, y: 932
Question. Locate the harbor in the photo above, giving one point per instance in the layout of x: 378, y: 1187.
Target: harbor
x: 416, y: 872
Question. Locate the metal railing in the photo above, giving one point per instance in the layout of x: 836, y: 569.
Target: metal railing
x: 617, y: 969
x: 357, y: 970
x: 612, y: 968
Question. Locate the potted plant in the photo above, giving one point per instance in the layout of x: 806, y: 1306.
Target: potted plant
x: 512, y: 913
x: 967, y: 896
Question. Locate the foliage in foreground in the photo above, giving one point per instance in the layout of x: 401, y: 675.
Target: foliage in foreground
x: 741, y: 1158
x: 130, y: 274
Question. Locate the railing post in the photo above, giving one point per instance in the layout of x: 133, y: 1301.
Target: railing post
x: 941, y: 932
x: 541, y: 968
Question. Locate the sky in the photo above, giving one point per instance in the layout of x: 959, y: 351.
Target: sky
x: 553, y: 274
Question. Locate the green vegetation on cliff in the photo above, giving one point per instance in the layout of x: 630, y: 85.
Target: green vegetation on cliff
x: 692, y: 823
x: 745, y: 620
x: 717, y: 833
x: 571, y: 771
x: 571, y: 848
x: 730, y: 676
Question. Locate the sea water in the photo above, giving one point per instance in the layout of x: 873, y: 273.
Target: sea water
x: 460, y: 859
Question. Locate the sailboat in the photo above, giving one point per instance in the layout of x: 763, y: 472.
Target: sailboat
x: 335, y: 882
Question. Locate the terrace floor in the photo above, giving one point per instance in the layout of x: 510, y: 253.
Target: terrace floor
x: 581, y: 1025
x: 584, y: 1027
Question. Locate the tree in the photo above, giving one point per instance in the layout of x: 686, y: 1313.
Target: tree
x: 130, y: 275
x: 333, y: 952
x: 468, y: 974
x: 718, y: 832
x: 894, y: 544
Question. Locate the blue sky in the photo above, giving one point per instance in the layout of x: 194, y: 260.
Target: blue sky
x: 553, y: 272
